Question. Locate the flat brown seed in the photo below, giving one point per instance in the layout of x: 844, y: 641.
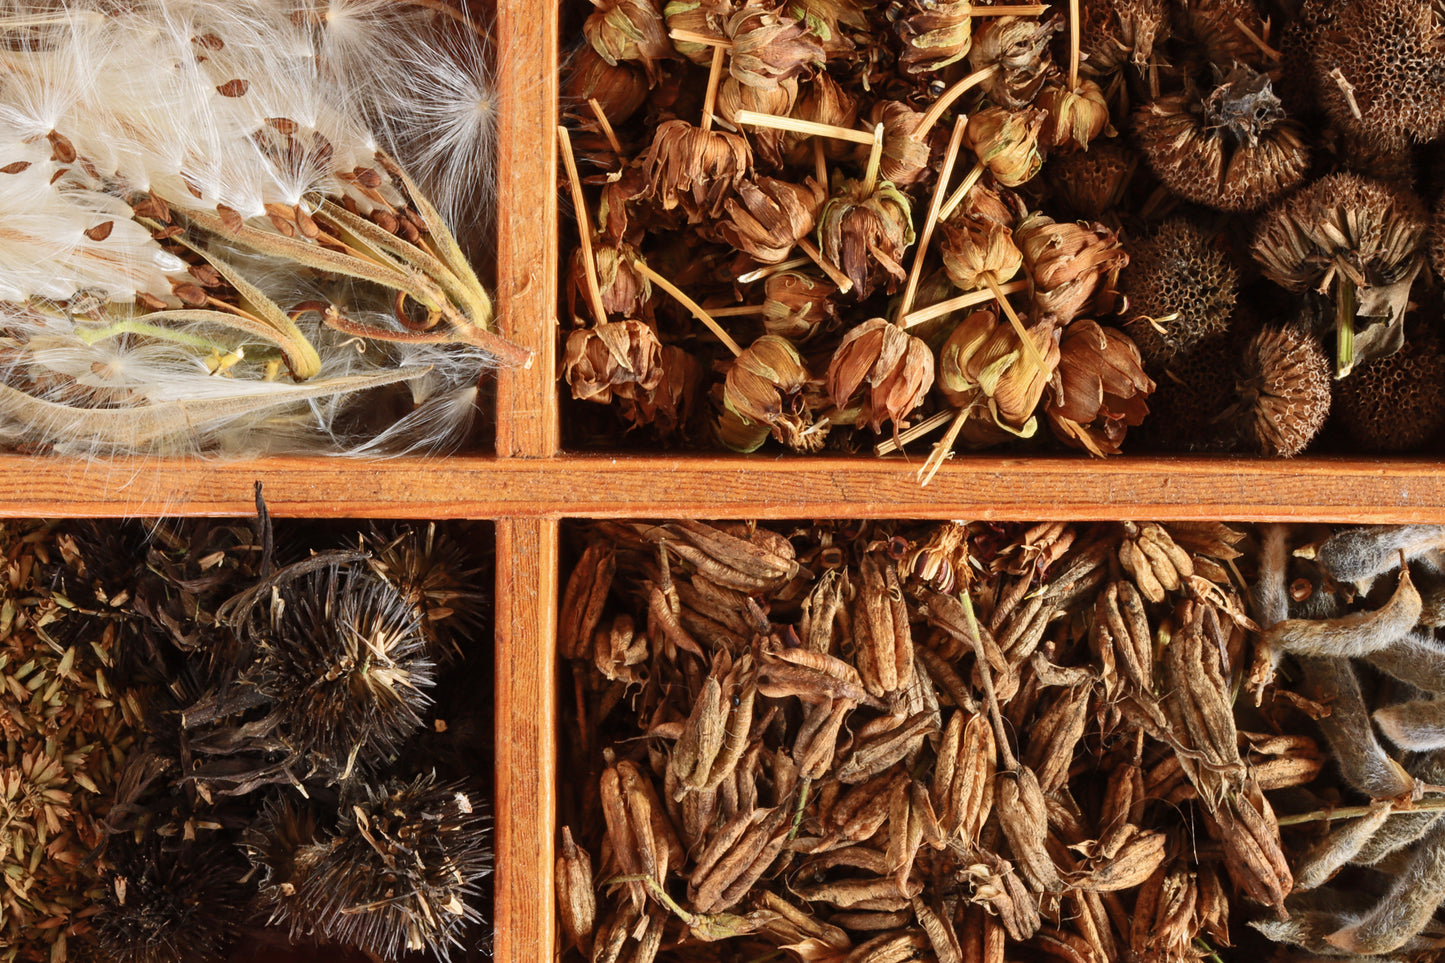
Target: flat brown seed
x: 101, y: 231
x: 15, y: 167
x: 235, y: 87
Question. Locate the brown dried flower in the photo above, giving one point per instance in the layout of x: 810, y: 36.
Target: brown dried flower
x: 1076, y: 116
x: 895, y: 367
x: 765, y: 388
x: 1070, y: 265
x: 1007, y: 142
x: 666, y: 405
x: 1093, y: 181
x: 1181, y: 290
x: 1099, y: 390
x: 934, y: 34
x: 769, y: 47
x: 1233, y: 150
x: 1115, y: 32
x: 825, y: 101
x: 983, y: 365
x: 624, y: 289
x: 620, y: 88
x: 768, y: 143
x: 1219, y: 27
x: 695, y: 168
x: 768, y: 216
x: 1284, y: 388
x: 796, y: 304
x: 620, y: 357
x: 865, y: 234
x: 1019, y: 48
x: 705, y: 17
x: 976, y: 246
x: 905, y: 159
x: 628, y: 30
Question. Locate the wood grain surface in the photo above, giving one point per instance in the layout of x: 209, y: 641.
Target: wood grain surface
x: 976, y: 487
x: 526, y: 762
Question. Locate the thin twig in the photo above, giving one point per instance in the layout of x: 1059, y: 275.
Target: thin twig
x: 946, y: 99
x: 913, y: 434
x: 843, y: 282
x: 1008, y: 309
x: 875, y: 158
x: 714, y: 77
x: 606, y: 126
x: 584, y: 226
x: 1352, y: 812
x: 687, y: 302
x: 929, y: 223
x: 797, y: 125
x: 959, y: 303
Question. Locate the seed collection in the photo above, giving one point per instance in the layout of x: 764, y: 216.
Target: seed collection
x: 220, y: 734
x: 868, y: 742
x: 835, y: 224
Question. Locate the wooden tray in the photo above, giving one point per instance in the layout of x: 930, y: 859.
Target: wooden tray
x: 530, y: 484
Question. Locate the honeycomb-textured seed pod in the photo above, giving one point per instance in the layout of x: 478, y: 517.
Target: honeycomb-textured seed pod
x: 1093, y: 181
x: 1116, y: 32
x: 1437, y: 238
x: 1187, y: 411
x: 1182, y: 290
x: 1296, y: 84
x: 1232, y: 150
x: 1396, y: 404
x: 1222, y: 29
x: 1284, y: 391
x: 1379, y: 68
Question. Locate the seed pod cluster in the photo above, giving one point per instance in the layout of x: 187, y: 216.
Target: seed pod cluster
x: 915, y: 741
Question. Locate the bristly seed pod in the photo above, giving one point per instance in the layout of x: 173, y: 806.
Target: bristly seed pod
x: 1284, y: 389
x: 1181, y: 290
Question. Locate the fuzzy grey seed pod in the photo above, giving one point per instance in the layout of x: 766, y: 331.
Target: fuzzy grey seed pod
x: 1417, y: 658
x: 1341, y: 846
x: 1359, y: 553
x: 1352, y: 635
x: 1418, y: 725
x: 1363, y: 762
x: 1407, y: 908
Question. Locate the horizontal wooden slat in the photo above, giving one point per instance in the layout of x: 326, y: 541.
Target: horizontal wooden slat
x: 1343, y: 490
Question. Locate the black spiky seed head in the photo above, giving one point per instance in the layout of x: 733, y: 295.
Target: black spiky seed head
x: 1396, y: 404
x: 170, y: 905
x: 343, y: 659
x: 1182, y: 290
x: 1379, y: 68
x: 439, y: 576
x: 401, y: 871
x: 1284, y: 391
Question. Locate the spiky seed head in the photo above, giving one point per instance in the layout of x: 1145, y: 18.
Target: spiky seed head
x: 1181, y: 288
x: 1284, y: 388
x: 1396, y: 403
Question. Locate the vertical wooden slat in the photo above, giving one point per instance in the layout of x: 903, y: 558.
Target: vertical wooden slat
x: 526, y: 633
x: 527, y: 51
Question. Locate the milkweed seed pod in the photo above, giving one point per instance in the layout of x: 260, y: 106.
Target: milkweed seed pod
x: 973, y: 247
x: 629, y: 30
x: 905, y: 157
x: 983, y: 366
x: 765, y: 387
x: 1379, y: 67
x: 1396, y: 404
x: 769, y: 47
x: 1071, y: 266
x: 1181, y: 289
x: 1019, y: 48
x: 695, y: 169
x: 1007, y: 142
x: 1093, y: 181
x: 1362, y: 237
x: 795, y: 305
x: 619, y: 88
x: 1284, y: 391
x: 934, y: 34
x: 888, y: 370
x: 1115, y: 32
x: 170, y: 905
x: 1223, y: 27
x: 705, y: 17
x: 1099, y: 390
x: 619, y: 357
x: 343, y: 662
x: 865, y: 234
x: 1076, y: 116
x: 401, y: 871
x: 1233, y: 149
x: 769, y: 216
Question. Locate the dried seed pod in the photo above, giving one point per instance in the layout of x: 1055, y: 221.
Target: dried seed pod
x: 1396, y: 404
x: 866, y: 233
x: 1355, y: 634
x: 1329, y: 855
x: 629, y: 30
x: 1023, y: 816
x: 1418, y: 725
x: 1417, y: 658
x: 1253, y: 854
x: 1356, y: 554
x: 1019, y: 48
x: 1405, y: 910
x: 1113, y: 33
x: 1181, y: 288
x: 1094, y: 181
x: 888, y: 370
x: 1231, y: 150
x: 795, y: 305
x: 769, y: 47
x: 1284, y: 391
x: 619, y: 88
x: 696, y: 169
x: 934, y: 34
x: 983, y: 365
x: 1072, y: 266
x: 1099, y: 390
x: 768, y: 216
x: 622, y: 358
x: 1007, y: 142
x: 1379, y: 67
x: 1363, y: 763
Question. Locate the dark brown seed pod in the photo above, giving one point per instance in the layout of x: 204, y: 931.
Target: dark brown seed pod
x: 1397, y: 403
x: 1194, y: 391
x: 1284, y: 388
x: 1222, y: 29
x: 1116, y: 32
x: 1232, y: 150
x: 401, y: 871
x: 1181, y: 289
x: 439, y: 577
x: 1379, y: 68
x: 1093, y: 181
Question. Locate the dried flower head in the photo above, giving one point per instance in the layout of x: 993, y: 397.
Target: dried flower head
x: 769, y: 145
x: 769, y: 47
x: 1181, y: 290
x: 619, y: 357
x: 1284, y: 389
x: 768, y: 216
x: 765, y: 387
x: 695, y: 168
x: 667, y: 404
x: 1223, y: 29
x: 905, y: 157
x: 796, y: 304
x: 1076, y: 117
x: 1396, y: 404
x: 1099, y: 390
x: 974, y: 246
x: 619, y: 88
x: 629, y: 30
x: 1232, y: 150
x: 1379, y: 67
x: 1116, y: 32
x: 706, y: 17
x: 1019, y: 48
x: 825, y: 101
x: 889, y: 371
x: 865, y: 234
x: 935, y: 33
x: 1007, y: 142
x: 1070, y: 265
x: 983, y: 365
x: 438, y: 575
x: 1093, y: 181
